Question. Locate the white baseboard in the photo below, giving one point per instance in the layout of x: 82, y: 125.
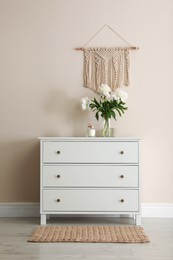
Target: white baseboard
x: 149, y: 210
x: 19, y: 209
x: 157, y: 210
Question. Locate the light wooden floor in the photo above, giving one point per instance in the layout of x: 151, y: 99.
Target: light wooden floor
x: 15, y: 231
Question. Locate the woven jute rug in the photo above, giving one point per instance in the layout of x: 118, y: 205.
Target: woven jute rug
x: 89, y: 234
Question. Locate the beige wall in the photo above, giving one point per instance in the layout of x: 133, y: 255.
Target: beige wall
x: 41, y: 85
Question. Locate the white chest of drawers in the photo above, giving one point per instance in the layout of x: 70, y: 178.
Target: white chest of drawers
x: 80, y: 175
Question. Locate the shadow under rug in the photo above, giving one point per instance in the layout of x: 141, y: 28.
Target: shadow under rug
x: 89, y: 234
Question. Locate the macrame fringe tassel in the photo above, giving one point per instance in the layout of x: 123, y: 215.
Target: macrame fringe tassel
x: 106, y: 65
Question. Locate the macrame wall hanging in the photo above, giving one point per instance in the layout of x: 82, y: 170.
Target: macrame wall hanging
x: 106, y: 65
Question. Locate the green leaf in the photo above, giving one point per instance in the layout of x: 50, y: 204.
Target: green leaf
x: 97, y: 103
x: 113, y: 114
x: 118, y: 112
x: 97, y: 115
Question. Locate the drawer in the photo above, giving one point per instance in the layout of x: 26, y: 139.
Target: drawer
x: 76, y: 200
x: 90, y: 176
x: 90, y: 152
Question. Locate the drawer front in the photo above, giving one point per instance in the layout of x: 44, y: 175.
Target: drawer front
x: 90, y: 152
x: 90, y: 176
x: 72, y: 200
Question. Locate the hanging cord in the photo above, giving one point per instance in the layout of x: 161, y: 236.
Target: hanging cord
x: 130, y: 46
x: 94, y: 36
x: 119, y: 35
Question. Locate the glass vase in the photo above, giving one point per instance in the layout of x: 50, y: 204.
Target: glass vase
x: 106, y: 130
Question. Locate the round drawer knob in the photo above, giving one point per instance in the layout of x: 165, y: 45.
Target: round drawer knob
x: 122, y: 176
x: 122, y: 152
x: 122, y: 200
x: 58, y: 200
x: 58, y: 152
x: 58, y: 176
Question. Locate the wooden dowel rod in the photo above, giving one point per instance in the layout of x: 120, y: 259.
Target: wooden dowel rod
x: 129, y: 48
x: 79, y: 49
x: 134, y: 48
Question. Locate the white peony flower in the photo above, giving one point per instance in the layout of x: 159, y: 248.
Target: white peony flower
x: 85, y: 103
x: 113, y: 95
x: 121, y: 95
x: 104, y: 90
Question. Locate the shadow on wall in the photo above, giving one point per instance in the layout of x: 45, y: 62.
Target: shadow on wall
x: 19, y: 171
x: 67, y: 112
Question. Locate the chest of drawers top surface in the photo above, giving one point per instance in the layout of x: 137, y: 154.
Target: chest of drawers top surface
x: 89, y: 150
x: 89, y: 139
